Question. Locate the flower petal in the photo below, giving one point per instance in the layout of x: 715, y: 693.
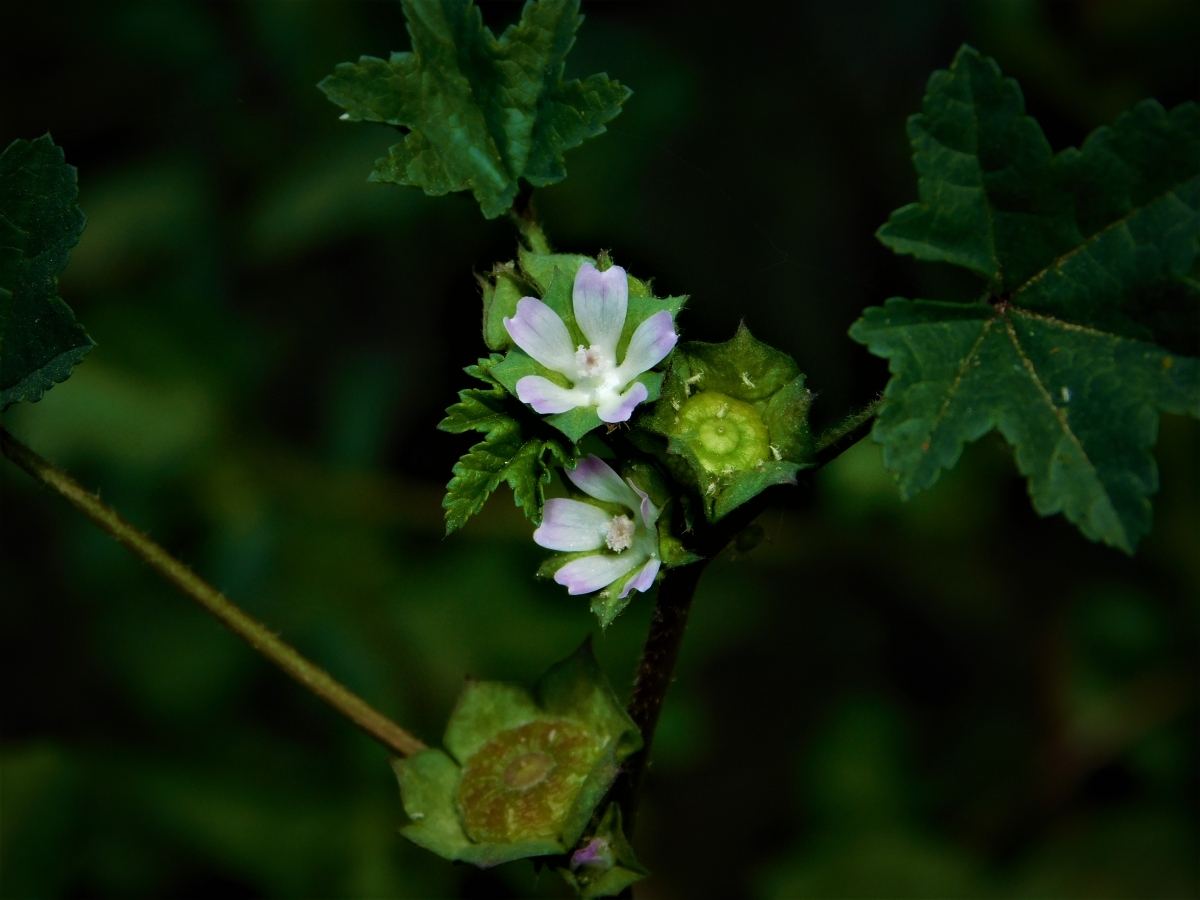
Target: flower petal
x: 643, y: 579
x: 650, y: 344
x: 648, y: 510
x: 590, y: 573
x: 619, y: 409
x: 601, y: 300
x: 596, y: 478
x: 572, y: 525
x: 546, y: 397
x: 538, y: 330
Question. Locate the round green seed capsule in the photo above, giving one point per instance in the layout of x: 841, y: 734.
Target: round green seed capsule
x: 520, y: 785
x: 725, y: 434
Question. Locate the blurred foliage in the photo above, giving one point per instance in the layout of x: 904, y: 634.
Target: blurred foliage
x: 949, y: 697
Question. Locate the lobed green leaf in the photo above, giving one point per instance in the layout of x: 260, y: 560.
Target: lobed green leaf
x: 480, y: 112
x: 40, y: 341
x: 1094, y: 318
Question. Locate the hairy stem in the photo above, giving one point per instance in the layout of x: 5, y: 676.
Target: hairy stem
x: 524, y: 217
x: 254, y: 633
x: 840, y: 437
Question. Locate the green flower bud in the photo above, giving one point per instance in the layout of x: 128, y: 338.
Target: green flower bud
x: 603, y: 865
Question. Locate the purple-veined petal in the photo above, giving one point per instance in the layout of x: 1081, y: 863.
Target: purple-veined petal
x: 650, y: 344
x: 619, y: 409
x: 538, y: 330
x: 648, y: 509
x: 572, y: 525
x: 590, y: 573
x: 643, y: 579
x: 601, y: 300
x: 596, y: 478
x: 546, y: 397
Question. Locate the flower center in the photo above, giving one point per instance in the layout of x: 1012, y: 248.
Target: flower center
x: 591, y: 362
x: 527, y: 770
x: 620, y: 533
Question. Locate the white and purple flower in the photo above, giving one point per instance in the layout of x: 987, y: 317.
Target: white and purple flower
x: 601, y: 301
x: 622, y: 544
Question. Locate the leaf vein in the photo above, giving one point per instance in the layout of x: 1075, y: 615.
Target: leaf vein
x: 1122, y: 221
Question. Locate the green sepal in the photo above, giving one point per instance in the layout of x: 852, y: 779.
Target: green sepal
x: 40, y: 341
x: 503, y: 456
x: 502, y: 288
x: 573, y: 695
x: 770, y: 410
x: 428, y: 781
x: 483, y: 709
x: 617, y: 867
x: 607, y: 603
x: 554, y: 275
x: 1090, y: 257
x: 479, y: 112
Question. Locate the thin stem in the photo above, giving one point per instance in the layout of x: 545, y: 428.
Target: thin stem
x: 655, y: 671
x: 840, y: 437
x: 254, y: 633
x: 524, y: 217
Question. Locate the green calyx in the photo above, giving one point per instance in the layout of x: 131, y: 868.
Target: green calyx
x: 735, y: 419
x: 551, y: 278
x: 524, y: 770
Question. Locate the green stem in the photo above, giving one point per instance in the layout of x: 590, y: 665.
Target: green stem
x: 524, y: 217
x: 840, y: 437
x: 254, y: 633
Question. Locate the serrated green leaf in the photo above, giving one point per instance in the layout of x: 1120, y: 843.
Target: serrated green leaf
x: 989, y: 200
x: 481, y: 112
x: 1079, y: 405
x: 1088, y: 255
x: 503, y: 456
x: 40, y: 341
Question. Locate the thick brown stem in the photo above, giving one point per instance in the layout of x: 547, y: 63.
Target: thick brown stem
x: 254, y: 633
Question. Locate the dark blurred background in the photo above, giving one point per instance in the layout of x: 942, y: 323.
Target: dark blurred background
x: 947, y: 698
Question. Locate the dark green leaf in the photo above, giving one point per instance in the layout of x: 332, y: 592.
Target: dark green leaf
x: 1088, y: 255
x: 479, y: 112
x: 1079, y: 405
x: 40, y: 341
